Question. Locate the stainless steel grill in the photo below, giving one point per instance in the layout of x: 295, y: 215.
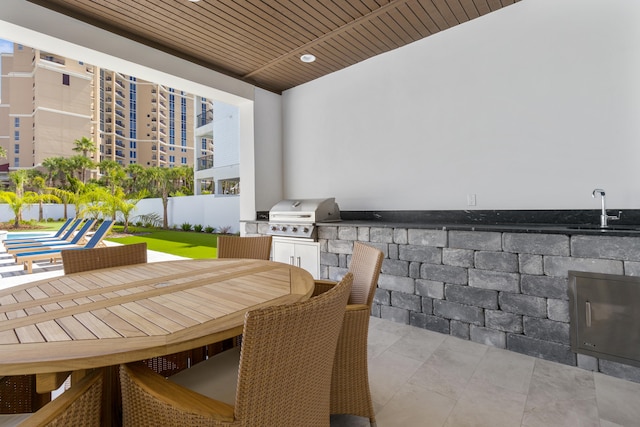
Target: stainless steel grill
x: 298, y: 218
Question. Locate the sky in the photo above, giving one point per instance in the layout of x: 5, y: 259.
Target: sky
x: 5, y: 47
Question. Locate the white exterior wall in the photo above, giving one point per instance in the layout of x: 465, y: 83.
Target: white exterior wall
x: 50, y: 211
x: 207, y: 210
x: 529, y: 107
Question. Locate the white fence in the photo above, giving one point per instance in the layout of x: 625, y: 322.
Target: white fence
x: 205, y: 210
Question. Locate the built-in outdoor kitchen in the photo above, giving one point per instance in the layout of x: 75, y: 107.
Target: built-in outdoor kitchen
x: 501, y: 278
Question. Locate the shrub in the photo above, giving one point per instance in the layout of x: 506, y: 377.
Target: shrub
x: 197, y: 228
x: 225, y: 230
x: 209, y: 229
x: 186, y: 226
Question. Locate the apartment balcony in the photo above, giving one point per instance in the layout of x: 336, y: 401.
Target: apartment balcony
x: 120, y: 94
x: 120, y: 143
x: 120, y: 114
x: 204, y: 162
x: 120, y: 104
x: 120, y: 133
x: 205, y: 118
x: 120, y: 153
x: 119, y: 83
x: 120, y: 123
x: 51, y: 58
x: 154, y: 148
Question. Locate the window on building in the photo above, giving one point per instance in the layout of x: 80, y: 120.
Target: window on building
x: 16, y: 162
x: 16, y: 135
x: 16, y: 122
x: 172, y: 159
x: 65, y: 79
x: 16, y: 149
x: 133, y: 154
x: 183, y: 160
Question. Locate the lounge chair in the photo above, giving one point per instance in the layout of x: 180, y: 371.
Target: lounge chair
x: 27, y: 258
x: 77, y: 239
x: 61, y: 230
x: 66, y: 236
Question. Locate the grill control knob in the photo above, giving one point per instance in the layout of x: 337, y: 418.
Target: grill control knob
x: 274, y: 228
x: 283, y: 228
x: 294, y: 229
x: 305, y: 230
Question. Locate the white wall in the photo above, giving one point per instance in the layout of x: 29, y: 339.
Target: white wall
x: 206, y: 210
x: 529, y: 107
x: 30, y: 212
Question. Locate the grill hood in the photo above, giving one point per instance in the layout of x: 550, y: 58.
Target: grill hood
x: 306, y: 211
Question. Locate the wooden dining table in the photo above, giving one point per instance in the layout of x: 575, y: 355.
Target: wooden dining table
x: 106, y: 317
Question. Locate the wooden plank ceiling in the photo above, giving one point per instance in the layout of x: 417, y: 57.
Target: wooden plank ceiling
x: 261, y: 42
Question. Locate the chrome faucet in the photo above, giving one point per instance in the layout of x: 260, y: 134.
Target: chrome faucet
x: 604, y: 217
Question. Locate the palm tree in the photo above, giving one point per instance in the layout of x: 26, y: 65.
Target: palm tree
x: 37, y: 182
x: 66, y: 197
x: 113, y: 174
x: 80, y: 164
x: 163, y: 182
x: 55, y: 170
x: 84, y: 145
x: 126, y: 206
x: 3, y: 153
x: 18, y: 202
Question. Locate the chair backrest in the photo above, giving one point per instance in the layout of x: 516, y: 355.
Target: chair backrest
x: 244, y: 247
x: 73, y: 227
x: 77, y: 260
x: 80, y: 405
x: 366, y: 263
x: 284, y: 377
x: 97, y: 237
x: 62, y: 228
x: 83, y: 231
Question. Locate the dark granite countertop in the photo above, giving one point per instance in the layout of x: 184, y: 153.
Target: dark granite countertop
x: 570, y: 222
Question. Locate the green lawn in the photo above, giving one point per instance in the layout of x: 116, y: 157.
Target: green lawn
x: 182, y: 243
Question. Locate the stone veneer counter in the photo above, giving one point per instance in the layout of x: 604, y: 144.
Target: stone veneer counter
x: 501, y: 285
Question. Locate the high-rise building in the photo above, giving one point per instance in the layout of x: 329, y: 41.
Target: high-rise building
x: 48, y: 101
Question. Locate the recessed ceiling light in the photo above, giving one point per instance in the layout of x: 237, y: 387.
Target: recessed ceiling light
x: 307, y: 57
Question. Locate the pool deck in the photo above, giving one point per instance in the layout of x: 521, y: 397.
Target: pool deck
x: 12, y: 274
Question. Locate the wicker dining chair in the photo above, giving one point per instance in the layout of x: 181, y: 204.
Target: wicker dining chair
x: 350, y: 393
x: 258, y: 247
x: 284, y: 373
x: 79, y: 406
x: 78, y: 260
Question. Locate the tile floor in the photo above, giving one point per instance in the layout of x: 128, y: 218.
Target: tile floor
x: 423, y: 378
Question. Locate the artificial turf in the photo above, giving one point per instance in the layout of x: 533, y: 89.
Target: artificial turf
x: 188, y: 244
